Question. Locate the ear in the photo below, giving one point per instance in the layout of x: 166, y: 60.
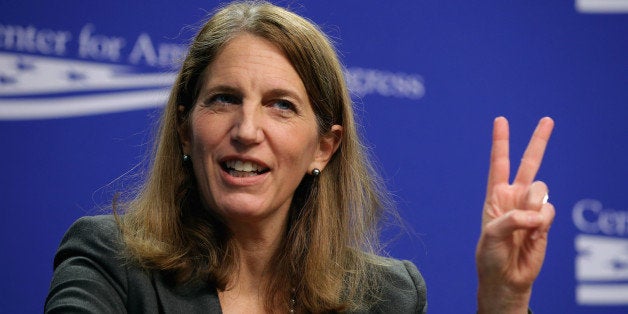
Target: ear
x: 183, y: 130
x: 327, y: 146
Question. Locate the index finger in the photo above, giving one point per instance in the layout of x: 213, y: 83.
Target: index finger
x: 533, y: 155
x: 499, y: 169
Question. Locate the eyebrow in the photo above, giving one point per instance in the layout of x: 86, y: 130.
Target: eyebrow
x: 275, y: 92
x: 221, y: 89
x: 280, y: 92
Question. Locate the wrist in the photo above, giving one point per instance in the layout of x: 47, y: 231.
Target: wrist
x: 501, y: 299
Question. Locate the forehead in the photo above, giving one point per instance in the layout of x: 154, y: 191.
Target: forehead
x: 255, y: 58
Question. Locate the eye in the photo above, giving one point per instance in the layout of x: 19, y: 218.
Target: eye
x: 283, y: 104
x: 226, y: 98
x: 223, y: 99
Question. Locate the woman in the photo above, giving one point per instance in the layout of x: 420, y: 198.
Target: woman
x: 261, y: 198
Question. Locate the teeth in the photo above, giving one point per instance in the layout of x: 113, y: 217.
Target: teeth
x: 239, y: 165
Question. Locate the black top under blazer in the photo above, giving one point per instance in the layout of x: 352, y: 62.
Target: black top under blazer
x: 91, y: 276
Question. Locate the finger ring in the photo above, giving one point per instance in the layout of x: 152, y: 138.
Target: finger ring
x: 545, y: 198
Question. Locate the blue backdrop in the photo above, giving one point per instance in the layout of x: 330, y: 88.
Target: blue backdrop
x: 82, y: 82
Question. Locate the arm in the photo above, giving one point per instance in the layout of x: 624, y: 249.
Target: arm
x: 88, y: 277
x: 515, y: 221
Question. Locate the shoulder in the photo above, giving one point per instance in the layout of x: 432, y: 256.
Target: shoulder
x: 88, y: 270
x: 97, y: 230
x: 100, y: 223
x: 402, y: 289
x: 93, y: 236
x: 93, y: 274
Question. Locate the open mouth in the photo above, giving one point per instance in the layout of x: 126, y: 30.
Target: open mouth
x: 239, y: 168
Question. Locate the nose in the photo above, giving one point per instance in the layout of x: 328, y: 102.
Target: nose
x: 247, y: 128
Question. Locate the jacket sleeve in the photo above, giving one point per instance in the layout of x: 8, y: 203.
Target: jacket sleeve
x: 88, y: 273
x: 419, y: 285
x: 402, y: 290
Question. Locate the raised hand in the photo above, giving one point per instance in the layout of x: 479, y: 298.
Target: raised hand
x: 515, y: 222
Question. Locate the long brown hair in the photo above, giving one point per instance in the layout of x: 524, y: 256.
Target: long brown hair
x: 326, y: 258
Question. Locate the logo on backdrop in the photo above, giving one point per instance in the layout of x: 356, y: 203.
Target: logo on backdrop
x: 38, y: 79
x: 106, y: 73
x: 602, y: 254
x: 602, y: 6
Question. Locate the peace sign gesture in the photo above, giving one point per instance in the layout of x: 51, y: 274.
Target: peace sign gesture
x: 515, y: 222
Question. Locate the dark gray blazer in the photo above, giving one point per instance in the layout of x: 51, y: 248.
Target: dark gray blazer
x: 91, y: 277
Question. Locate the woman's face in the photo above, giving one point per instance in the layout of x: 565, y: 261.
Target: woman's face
x: 252, y: 134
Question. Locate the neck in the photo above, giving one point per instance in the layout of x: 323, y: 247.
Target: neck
x: 257, y: 243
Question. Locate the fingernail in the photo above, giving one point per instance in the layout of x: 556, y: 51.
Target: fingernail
x: 535, y: 235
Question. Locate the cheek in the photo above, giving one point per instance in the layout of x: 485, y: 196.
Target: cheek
x: 301, y: 148
x: 205, y: 138
x: 201, y: 144
x: 206, y: 133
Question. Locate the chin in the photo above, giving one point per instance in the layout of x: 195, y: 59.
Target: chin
x: 246, y: 211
